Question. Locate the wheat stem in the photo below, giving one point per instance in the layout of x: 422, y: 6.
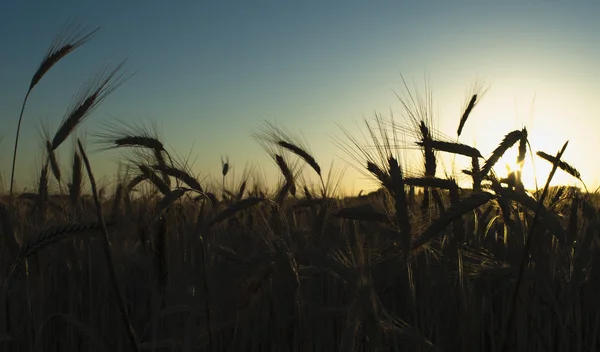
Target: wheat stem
x: 108, y: 255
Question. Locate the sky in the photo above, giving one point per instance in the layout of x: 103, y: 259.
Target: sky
x: 209, y: 74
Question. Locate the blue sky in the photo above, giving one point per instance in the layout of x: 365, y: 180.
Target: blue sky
x: 209, y: 73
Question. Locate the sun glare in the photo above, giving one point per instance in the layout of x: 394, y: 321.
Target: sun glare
x: 508, y: 164
x: 534, y: 173
x: 543, y: 115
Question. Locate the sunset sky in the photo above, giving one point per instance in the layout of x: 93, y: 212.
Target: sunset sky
x: 209, y: 74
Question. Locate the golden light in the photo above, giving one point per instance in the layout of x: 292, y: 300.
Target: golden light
x: 550, y: 121
x: 535, y: 172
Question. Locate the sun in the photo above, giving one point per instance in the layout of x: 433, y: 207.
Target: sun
x: 534, y: 172
x: 508, y: 165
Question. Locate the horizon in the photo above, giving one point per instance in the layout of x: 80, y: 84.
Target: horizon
x: 210, y: 77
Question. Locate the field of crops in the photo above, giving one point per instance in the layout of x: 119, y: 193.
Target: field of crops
x: 160, y: 261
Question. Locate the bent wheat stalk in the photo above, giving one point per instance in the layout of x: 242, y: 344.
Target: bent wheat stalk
x: 107, y: 253
x: 52, y: 160
x: 234, y: 209
x: 455, y: 211
x: 45, y: 239
x: 287, y: 174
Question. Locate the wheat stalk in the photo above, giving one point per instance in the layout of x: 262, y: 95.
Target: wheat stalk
x: 136, y: 181
x: 287, y: 174
x: 53, y: 161
x: 156, y: 181
x: 161, y: 261
x: 8, y: 232
x: 117, y: 199
x: 108, y: 254
x: 528, y: 243
x: 76, y: 181
x: 522, y: 147
x: 42, y: 195
x: 69, y: 39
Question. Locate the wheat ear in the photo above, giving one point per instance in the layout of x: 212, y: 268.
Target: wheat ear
x: 428, y: 152
x: 69, y: 39
x: 561, y: 164
x: 465, y: 114
x: 182, y: 175
x: 508, y: 141
x: 401, y: 207
x: 451, y: 147
x: 478, y: 90
x: 93, y: 92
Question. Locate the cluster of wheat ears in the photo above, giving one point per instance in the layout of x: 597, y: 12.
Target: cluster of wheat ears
x: 166, y: 262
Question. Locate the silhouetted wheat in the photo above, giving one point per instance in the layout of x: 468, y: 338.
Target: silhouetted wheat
x: 561, y: 164
x: 182, y: 175
x: 69, y: 39
x: 508, y: 141
x: 287, y: 174
x: 477, y: 92
x: 53, y: 161
x: 91, y: 94
x: 454, y: 212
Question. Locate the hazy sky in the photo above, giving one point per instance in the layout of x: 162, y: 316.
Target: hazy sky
x: 209, y: 73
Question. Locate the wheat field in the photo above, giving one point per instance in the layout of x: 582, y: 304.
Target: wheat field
x: 160, y: 261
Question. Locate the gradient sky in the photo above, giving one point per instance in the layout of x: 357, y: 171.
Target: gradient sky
x: 209, y: 73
